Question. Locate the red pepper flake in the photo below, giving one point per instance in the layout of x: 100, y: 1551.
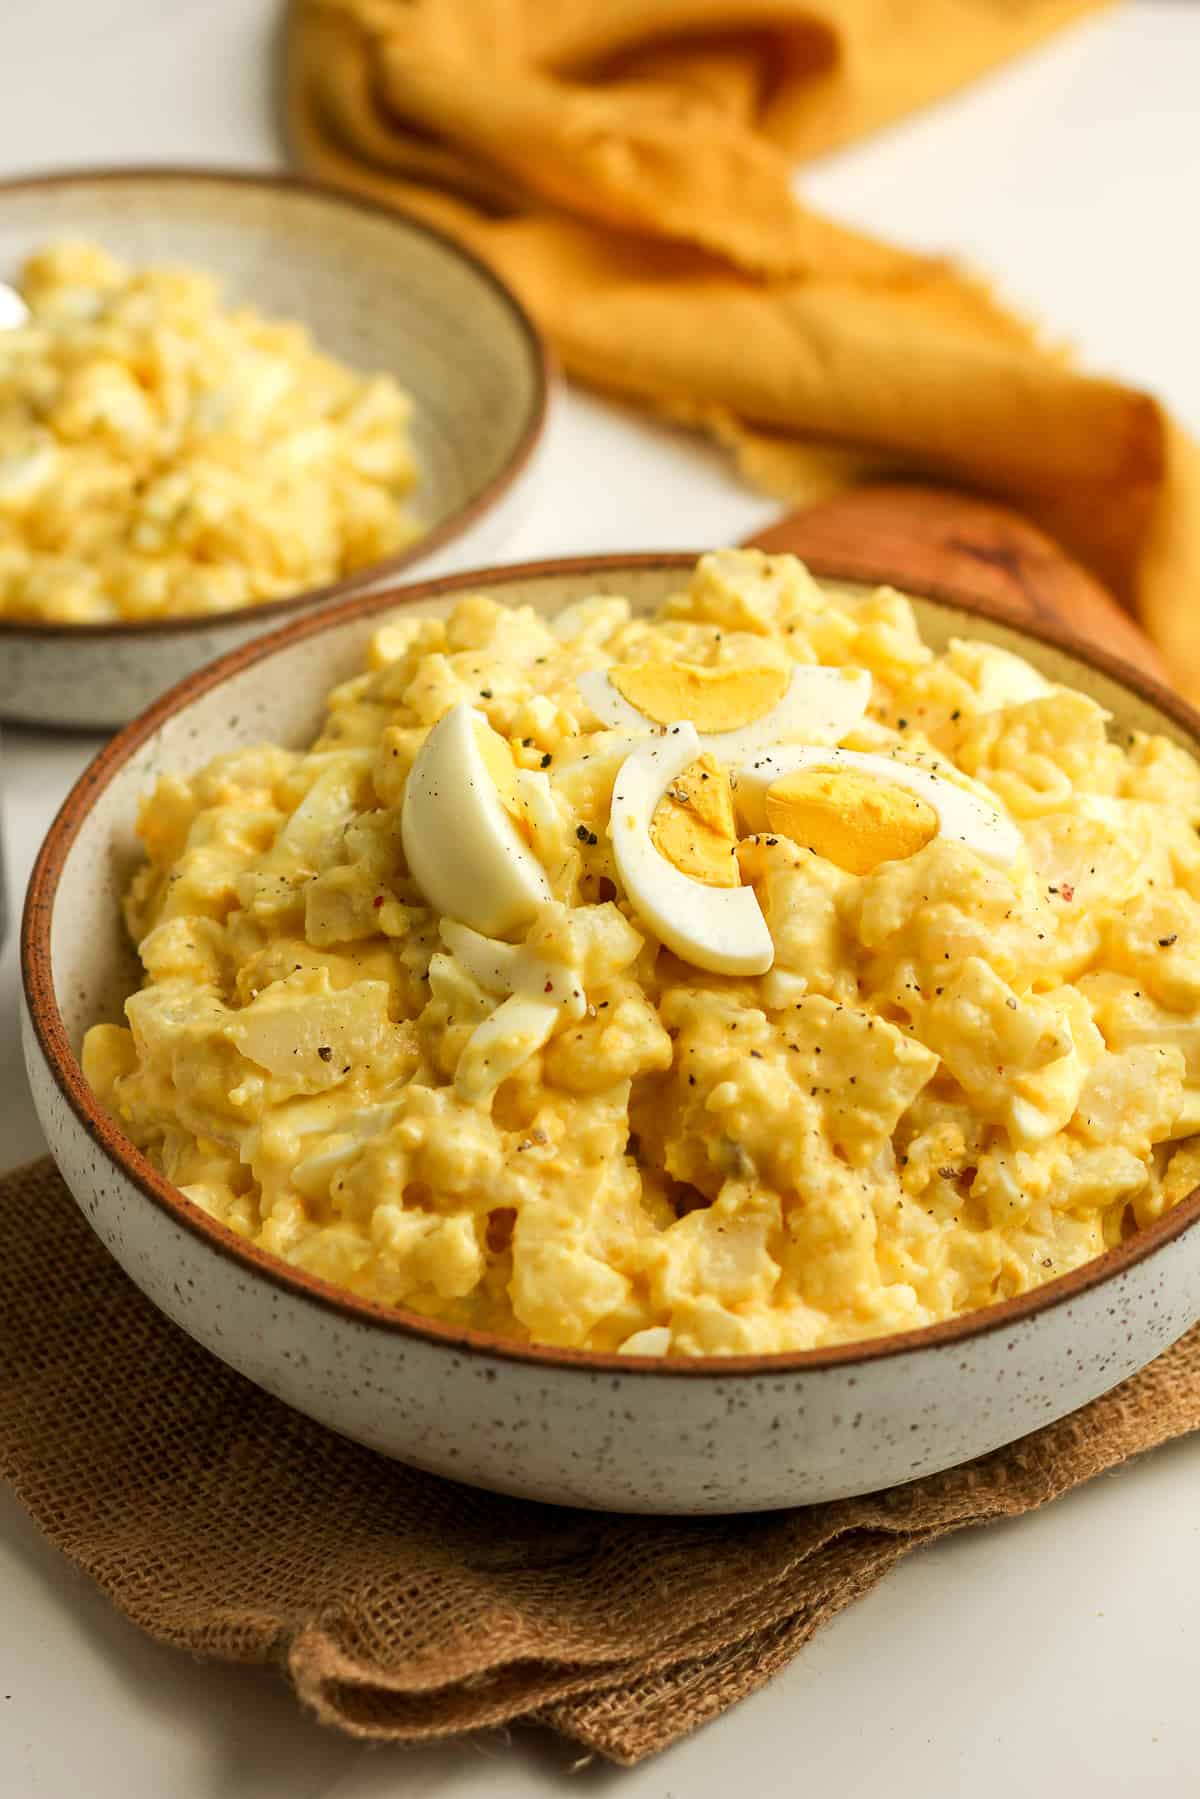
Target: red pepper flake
x: 377, y: 901
x: 1067, y: 891
x: 549, y: 987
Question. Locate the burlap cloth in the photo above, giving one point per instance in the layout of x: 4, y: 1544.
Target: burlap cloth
x: 403, y: 1607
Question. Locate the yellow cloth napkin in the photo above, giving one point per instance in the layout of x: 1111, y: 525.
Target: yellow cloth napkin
x: 626, y: 166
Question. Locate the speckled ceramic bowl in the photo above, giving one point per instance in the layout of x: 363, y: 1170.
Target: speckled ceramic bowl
x: 378, y: 290
x: 710, y: 1435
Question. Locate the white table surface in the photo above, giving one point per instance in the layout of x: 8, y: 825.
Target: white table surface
x: 1052, y: 1655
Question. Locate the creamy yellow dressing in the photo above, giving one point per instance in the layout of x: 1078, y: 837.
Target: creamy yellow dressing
x: 957, y: 1080
x: 161, y: 454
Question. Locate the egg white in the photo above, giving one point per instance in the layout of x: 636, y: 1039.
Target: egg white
x: 535, y: 993
x: 463, y: 850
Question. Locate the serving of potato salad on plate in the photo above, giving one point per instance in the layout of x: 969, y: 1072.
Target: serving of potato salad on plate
x: 744, y: 978
x: 163, y: 455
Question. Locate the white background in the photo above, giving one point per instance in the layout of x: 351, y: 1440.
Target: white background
x: 1054, y: 1655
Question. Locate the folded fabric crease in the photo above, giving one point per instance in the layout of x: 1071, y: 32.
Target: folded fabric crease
x: 628, y: 168
x: 404, y: 1608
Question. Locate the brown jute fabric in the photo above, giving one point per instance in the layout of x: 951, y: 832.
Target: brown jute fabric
x: 406, y: 1608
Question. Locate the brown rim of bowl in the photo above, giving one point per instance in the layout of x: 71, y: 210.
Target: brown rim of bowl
x: 37, y: 977
x: 389, y: 567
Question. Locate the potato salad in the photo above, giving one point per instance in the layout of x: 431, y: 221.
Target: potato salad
x: 161, y: 454
x: 744, y: 978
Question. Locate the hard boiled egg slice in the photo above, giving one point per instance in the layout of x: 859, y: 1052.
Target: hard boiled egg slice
x: 459, y: 827
x: 839, y: 817
x: 718, y: 928
x: 735, y: 710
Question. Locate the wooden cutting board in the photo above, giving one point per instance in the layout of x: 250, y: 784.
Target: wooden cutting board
x: 929, y: 540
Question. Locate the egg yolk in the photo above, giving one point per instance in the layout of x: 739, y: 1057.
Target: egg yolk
x: 693, y: 825
x: 498, y: 760
x: 713, y: 699
x: 855, y: 820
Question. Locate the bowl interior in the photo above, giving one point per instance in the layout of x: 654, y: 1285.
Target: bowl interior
x: 377, y: 290
x: 277, y: 693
